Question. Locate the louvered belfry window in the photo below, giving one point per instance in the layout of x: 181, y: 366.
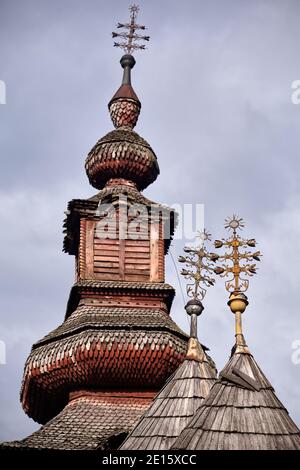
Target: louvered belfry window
x: 121, y: 258
x: 122, y: 251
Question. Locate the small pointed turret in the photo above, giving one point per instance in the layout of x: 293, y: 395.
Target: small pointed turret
x: 242, y: 411
x: 182, y: 395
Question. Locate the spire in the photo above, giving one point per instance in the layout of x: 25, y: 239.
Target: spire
x: 122, y: 154
x: 126, y: 91
x: 124, y: 107
x: 241, y: 411
x: 182, y: 395
x: 199, y: 270
x: 194, y: 308
x: 237, y: 263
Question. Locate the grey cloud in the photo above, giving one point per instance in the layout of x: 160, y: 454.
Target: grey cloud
x: 215, y: 90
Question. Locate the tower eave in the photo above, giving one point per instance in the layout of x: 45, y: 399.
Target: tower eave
x: 87, y: 208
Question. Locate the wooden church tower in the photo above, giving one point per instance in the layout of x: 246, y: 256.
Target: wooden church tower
x: 89, y: 380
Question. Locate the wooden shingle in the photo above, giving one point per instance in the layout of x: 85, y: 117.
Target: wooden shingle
x: 174, y: 406
x: 238, y: 417
x: 90, y: 421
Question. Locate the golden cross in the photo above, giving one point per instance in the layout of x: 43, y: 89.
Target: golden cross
x: 129, y: 34
x: 199, y: 267
x: 241, y: 261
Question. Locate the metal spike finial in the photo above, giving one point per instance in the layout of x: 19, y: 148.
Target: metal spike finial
x: 241, y: 260
x: 129, y: 35
x: 199, y: 267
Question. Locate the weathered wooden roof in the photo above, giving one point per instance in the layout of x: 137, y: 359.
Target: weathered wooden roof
x: 84, y: 286
x: 241, y: 412
x: 87, y: 317
x: 122, y: 153
x: 174, y: 406
x: 78, y: 208
x: 89, y: 421
x: 101, y: 346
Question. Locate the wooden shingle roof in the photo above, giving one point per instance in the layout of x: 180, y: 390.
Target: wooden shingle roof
x: 100, y: 346
x: 241, y: 412
x: 174, y: 406
x: 90, y: 421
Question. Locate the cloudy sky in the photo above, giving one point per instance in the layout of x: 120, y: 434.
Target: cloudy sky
x: 215, y: 87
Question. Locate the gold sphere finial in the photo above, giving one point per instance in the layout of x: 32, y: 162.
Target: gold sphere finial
x: 237, y: 302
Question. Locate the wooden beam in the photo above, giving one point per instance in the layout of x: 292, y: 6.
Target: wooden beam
x: 89, y: 249
x: 154, y: 252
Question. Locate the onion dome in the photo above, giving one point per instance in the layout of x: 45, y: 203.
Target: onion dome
x: 132, y: 347
x: 179, y: 399
x: 122, y: 153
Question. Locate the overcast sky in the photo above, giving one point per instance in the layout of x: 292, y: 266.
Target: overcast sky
x: 215, y: 86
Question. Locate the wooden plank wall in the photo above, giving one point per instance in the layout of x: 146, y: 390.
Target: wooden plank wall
x: 137, y: 260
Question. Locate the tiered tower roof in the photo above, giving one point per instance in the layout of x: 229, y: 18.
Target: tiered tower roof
x: 92, y: 377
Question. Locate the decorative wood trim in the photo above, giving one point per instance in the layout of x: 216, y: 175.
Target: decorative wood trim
x: 154, y: 252
x: 125, y: 302
x: 82, y: 250
x: 113, y: 394
x: 161, y: 256
x: 90, y: 236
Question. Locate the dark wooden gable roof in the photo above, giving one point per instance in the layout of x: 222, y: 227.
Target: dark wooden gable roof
x: 241, y: 412
x: 174, y: 406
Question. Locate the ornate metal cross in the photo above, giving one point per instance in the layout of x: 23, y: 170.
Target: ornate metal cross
x: 241, y: 261
x: 129, y: 35
x: 199, y: 267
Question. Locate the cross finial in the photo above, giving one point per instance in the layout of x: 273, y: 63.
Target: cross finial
x: 198, y: 267
x: 129, y: 35
x: 237, y: 263
x: 241, y: 261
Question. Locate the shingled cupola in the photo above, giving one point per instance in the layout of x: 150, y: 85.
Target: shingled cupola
x: 122, y: 153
